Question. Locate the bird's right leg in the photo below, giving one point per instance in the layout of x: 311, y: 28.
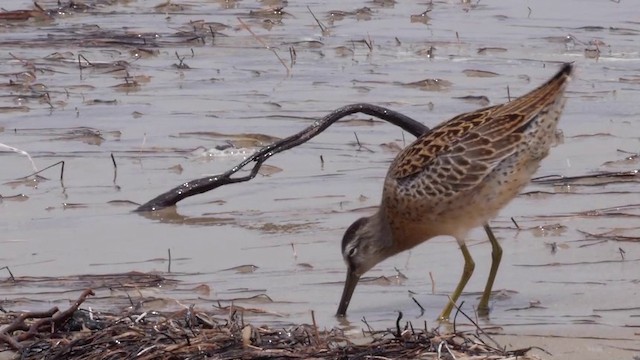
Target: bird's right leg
x: 467, y: 271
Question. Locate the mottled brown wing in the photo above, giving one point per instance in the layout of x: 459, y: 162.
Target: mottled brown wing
x: 463, y: 150
x: 466, y: 158
x: 439, y: 140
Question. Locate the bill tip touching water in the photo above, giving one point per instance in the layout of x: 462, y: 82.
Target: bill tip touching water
x: 455, y: 177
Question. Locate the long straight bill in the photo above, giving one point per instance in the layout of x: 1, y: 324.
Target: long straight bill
x: 349, y: 287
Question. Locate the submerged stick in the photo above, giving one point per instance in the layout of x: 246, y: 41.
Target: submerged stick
x: 208, y: 183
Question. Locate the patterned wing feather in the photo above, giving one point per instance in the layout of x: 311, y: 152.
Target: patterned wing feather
x: 462, y: 151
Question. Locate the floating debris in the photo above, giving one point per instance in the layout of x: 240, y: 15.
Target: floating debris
x: 479, y: 73
x: 430, y: 84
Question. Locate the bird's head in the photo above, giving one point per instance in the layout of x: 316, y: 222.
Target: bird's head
x: 365, y: 243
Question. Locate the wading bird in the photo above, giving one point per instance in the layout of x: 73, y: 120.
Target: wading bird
x: 455, y: 177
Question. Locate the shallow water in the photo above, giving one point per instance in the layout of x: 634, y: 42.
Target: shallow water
x: 289, y: 224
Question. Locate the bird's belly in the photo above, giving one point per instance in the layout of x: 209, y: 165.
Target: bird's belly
x: 425, y: 217
x: 498, y: 189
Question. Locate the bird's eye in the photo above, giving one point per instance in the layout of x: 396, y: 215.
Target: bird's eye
x: 352, y: 252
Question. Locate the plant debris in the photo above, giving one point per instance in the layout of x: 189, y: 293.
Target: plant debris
x: 192, y: 333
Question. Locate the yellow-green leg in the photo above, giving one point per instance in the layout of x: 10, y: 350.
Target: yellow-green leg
x: 496, y: 256
x: 467, y: 271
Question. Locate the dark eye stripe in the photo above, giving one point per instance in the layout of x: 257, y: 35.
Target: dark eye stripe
x: 350, y: 234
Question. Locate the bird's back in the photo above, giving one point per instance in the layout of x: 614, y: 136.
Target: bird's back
x: 462, y: 172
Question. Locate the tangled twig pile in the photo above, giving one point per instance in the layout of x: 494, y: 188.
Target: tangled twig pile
x: 191, y: 334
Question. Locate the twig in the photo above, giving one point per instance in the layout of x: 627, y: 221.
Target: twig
x: 357, y: 140
x: 61, y: 163
x: 315, y: 327
x: 369, y: 43
x: 398, y: 332
x: 48, y: 321
x: 265, y: 45
x: 433, y: 283
x: 364, y: 320
x: 458, y: 310
x: 449, y: 350
x: 420, y: 306
x: 181, y: 64
x: 554, y: 179
x: 13, y: 279
x: 293, y: 55
x: 322, y: 27
x: 80, y: 58
x: 115, y: 168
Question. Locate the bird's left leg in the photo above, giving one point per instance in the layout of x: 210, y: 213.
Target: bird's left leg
x: 496, y: 256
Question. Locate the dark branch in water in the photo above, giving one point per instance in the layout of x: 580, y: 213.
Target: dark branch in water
x: 208, y: 183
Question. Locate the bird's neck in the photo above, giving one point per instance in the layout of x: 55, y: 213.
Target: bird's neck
x: 401, y: 234
x: 380, y: 230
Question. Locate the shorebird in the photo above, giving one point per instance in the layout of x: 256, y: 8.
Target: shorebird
x: 456, y: 177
